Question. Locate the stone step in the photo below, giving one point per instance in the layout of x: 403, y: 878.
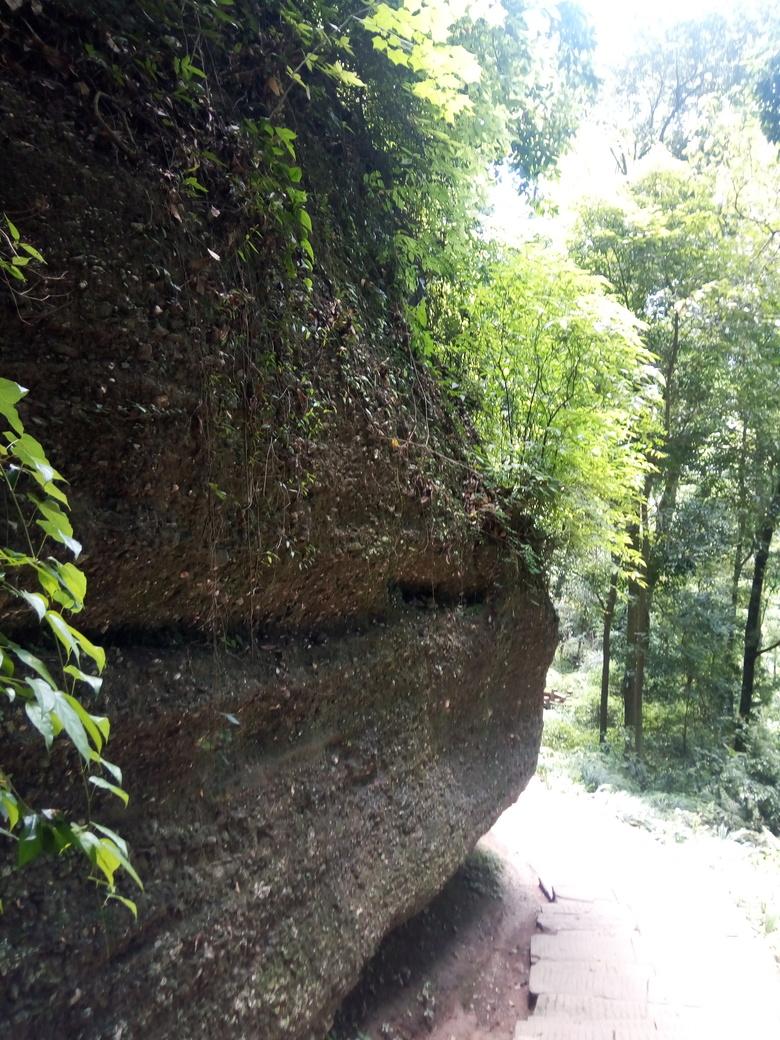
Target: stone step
x: 540, y: 1029
x: 583, y: 891
x: 590, y: 1009
x: 602, y: 917
x: 614, y: 982
x: 554, y: 925
x: 604, y: 907
x: 576, y: 945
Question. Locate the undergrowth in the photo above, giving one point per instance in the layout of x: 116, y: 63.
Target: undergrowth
x: 697, y: 770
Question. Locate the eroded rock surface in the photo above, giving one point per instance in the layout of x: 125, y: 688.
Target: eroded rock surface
x: 278, y: 852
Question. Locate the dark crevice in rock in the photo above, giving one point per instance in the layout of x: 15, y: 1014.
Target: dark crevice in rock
x: 431, y: 596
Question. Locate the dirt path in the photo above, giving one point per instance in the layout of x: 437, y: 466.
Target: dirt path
x: 692, y: 967
x: 459, y: 970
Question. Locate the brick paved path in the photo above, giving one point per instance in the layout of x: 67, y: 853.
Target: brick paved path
x: 643, y: 939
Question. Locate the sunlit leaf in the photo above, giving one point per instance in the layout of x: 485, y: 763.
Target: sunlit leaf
x: 120, y: 793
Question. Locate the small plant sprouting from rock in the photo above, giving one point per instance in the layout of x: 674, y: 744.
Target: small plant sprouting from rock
x: 15, y: 255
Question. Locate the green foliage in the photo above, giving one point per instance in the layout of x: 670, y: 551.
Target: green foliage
x: 565, y: 390
x: 746, y: 786
x: 738, y: 790
x: 416, y: 36
x: 419, y: 97
x: 276, y: 192
x: 15, y: 255
x: 549, y: 77
x: 52, y: 696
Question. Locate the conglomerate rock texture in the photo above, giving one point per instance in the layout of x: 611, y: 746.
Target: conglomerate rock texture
x: 326, y: 656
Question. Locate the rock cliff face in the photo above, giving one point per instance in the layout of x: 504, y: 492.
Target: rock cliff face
x: 278, y: 852
x: 326, y: 658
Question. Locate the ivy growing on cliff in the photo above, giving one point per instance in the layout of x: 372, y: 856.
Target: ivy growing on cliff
x: 52, y: 695
x: 419, y: 97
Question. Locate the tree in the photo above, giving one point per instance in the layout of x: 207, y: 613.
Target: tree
x: 659, y: 251
x: 548, y: 81
x: 668, y: 91
x: 753, y: 621
x: 564, y: 387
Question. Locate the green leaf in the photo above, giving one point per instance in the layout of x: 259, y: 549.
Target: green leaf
x: 30, y: 844
x: 57, y: 525
x: 99, y: 854
x: 6, y: 664
x: 119, y: 841
x: 97, y: 653
x: 193, y: 69
x: 12, y: 270
x: 114, y: 770
x: 283, y: 133
x: 9, y: 806
x: 44, y: 692
x: 89, y: 722
x: 35, y: 600
x: 120, y: 847
x: 13, y: 229
x: 194, y: 183
x: 42, y: 720
x: 74, y: 581
x: 62, y: 631
x: 125, y: 902
x: 32, y: 251
x: 99, y: 781
x: 30, y: 660
x: 337, y: 71
x: 73, y: 726
x: 51, y: 581
x: 57, y: 834
x: 92, y: 680
x: 10, y: 395
x: 54, y: 492
x: 53, y: 530
x: 30, y: 452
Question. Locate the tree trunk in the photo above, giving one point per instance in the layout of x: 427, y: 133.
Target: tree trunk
x: 638, y: 640
x: 739, y: 562
x: 638, y: 628
x: 640, y: 660
x: 688, y: 691
x: 651, y: 552
x: 609, y: 614
x: 753, y: 622
x: 628, y: 674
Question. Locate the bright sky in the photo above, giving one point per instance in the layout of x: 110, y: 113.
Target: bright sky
x: 619, y: 22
